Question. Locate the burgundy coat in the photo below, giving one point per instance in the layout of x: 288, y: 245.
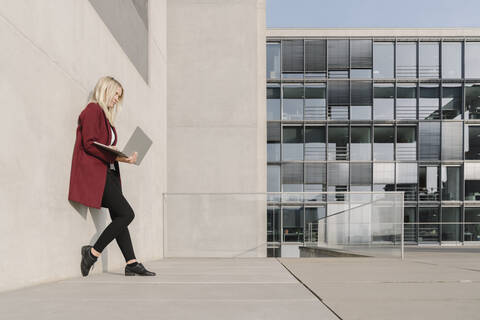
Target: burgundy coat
x: 89, y: 162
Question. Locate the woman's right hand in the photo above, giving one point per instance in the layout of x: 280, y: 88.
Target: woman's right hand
x: 132, y: 159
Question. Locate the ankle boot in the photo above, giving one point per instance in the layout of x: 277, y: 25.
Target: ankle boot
x: 88, y: 259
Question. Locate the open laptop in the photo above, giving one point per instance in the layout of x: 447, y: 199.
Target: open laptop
x: 138, y: 142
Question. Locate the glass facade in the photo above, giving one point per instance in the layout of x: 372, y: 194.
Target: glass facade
x: 377, y: 115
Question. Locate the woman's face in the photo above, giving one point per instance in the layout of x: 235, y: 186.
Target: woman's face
x: 115, y: 98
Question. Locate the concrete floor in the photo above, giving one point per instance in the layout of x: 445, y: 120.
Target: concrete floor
x: 430, y: 283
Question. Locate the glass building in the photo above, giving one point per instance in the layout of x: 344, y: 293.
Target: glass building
x: 376, y: 114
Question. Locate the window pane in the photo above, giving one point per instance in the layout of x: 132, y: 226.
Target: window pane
x: 450, y: 183
x: 472, y: 145
x: 315, y: 102
x: 337, y: 143
x: 361, y: 100
x: 410, y: 227
x: 472, y: 224
x: 315, y: 55
x: 273, y: 132
x: 472, y: 101
x: 273, y: 224
x: 472, y: 181
x: 293, y: 224
x: 338, y: 92
x: 428, y: 232
x: 452, y: 101
x: 315, y: 174
x: 338, y: 54
x: 428, y: 183
x: 273, y: 102
x: 472, y: 60
x: 383, y: 55
x: 383, y: 143
x: 273, y: 178
x: 361, y: 174
x: 451, y: 228
x: 337, y: 174
x: 429, y: 59
x: 429, y: 136
x: 292, y: 177
x: 406, y: 101
x: 315, y: 146
x: 452, y: 141
x: 383, y: 101
x: 406, y: 60
x: 452, y: 60
x: 361, y: 147
x: 429, y: 104
x: 293, y: 102
x: 406, y: 143
x: 360, y: 73
x: 361, y: 51
x: 273, y: 60
x: 407, y: 180
x: 273, y: 152
x: 292, y: 143
x: 383, y: 176
x: 292, y: 55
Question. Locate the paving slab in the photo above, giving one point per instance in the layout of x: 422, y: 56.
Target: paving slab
x: 183, y: 289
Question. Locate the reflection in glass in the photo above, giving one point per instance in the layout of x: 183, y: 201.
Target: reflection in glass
x: 292, y: 143
x: 315, y: 176
x: 452, y: 60
x: 406, y: 175
x: 273, y: 60
x: 293, y: 102
x: 429, y: 104
x: 292, y: 177
x: 383, y: 55
x: 383, y: 177
x: 292, y: 224
x: 273, y: 152
x: 383, y: 143
x: 406, y: 143
x: 315, y: 147
x: 406, y: 101
x: 472, y: 145
x: 338, y: 173
x: 361, y: 100
x: 428, y: 229
x: 472, y: 224
x: 273, y: 102
x: 429, y: 60
x: 428, y: 183
x: 383, y: 101
x: 452, y: 140
x: 452, y: 101
x: 315, y: 102
x: 406, y: 60
x: 451, y: 224
x: 337, y: 143
x: 410, y: 226
x: 472, y: 101
x: 450, y: 183
x: 361, y: 144
x: 360, y: 176
x: 472, y: 60
x: 312, y: 216
x: 273, y: 178
x: 273, y: 224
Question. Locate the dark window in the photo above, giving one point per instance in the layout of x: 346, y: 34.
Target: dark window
x: 429, y: 136
x: 293, y: 222
x: 428, y: 230
x: 472, y: 101
x: 315, y: 55
x: 338, y: 92
x: 472, y: 224
x: 292, y: 56
x: 337, y: 143
x: 292, y: 143
x: 338, y: 57
x: 383, y: 143
x: 361, y: 100
x: 315, y: 102
x: 292, y: 177
x: 315, y: 176
x: 428, y: 183
x: 361, y: 53
x: 315, y: 147
x: 361, y: 147
x: 472, y: 181
x: 472, y: 145
x: 451, y: 183
x: 383, y: 101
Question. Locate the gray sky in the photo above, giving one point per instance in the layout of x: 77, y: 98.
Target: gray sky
x: 372, y: 13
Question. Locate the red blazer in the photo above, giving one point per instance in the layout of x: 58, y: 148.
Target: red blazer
x: 89, y: 162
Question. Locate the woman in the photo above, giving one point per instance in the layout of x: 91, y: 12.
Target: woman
x: 95, y: 175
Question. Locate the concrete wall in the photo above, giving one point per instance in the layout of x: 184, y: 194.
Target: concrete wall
x: 53, y: 53
x: 216, y: 121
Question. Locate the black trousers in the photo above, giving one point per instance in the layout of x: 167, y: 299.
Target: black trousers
x: 121, y: 214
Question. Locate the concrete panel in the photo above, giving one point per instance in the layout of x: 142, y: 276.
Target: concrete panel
x: 216, y: 119
x: 48, y: 73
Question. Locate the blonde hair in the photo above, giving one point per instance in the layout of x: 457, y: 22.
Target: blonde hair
x: 103, y: 93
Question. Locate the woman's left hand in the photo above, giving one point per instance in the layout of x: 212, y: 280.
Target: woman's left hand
x: 132, y: 159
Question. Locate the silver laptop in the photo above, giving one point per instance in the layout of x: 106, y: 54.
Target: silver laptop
x: 138, y: 142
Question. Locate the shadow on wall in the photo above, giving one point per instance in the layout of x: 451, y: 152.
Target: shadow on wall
x: 99, y: 218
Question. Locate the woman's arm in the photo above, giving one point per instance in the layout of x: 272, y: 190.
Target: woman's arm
x: 91, y: 131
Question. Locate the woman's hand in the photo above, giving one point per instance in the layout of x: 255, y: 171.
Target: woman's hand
x: 132, y: 159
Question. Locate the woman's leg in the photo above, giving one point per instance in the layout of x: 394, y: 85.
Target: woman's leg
x: 121, y: 213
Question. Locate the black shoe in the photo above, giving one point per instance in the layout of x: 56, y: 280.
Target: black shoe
x: 139, y: 269
x: 88, y: 259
